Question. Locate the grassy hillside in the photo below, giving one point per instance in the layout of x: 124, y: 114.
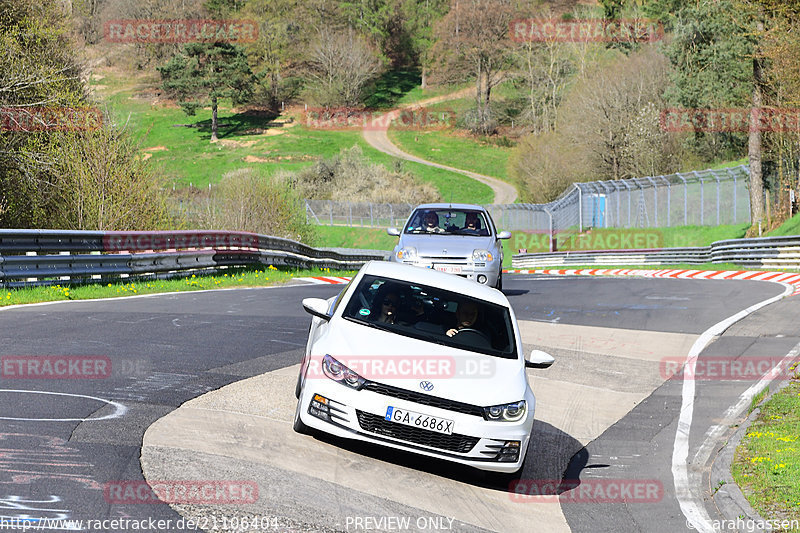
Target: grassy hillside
x: 179, y: 144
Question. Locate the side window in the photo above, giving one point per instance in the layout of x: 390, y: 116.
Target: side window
x: 338, y: 299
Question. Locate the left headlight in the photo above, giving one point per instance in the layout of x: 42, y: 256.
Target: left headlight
x: 482, y: 255
x: 508, y: 412
x: 339, y: 372
x: 409, y: 253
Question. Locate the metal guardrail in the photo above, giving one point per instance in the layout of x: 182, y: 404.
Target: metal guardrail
x: 761, y: 252
x: 45, y: 257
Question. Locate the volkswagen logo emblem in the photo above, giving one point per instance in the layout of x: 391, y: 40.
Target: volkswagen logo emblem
x: 426, y: 386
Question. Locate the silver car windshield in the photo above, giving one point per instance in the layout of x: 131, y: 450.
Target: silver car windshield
x: 434, y: 315
x: 448, y: 222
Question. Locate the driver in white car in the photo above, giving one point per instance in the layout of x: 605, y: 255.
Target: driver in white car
x: 466, y: 316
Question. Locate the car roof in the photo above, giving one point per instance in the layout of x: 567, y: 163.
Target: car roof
x: 450, y: 206
x: 434, y: 278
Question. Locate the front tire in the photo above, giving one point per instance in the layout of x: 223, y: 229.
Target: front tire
x: 299, y: 426
x: 499, y: 284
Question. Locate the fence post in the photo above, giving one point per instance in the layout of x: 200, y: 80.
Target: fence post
x: 685, y: 199
x: 330, y: 205
x: 717, y: 179
x: 655, y: 199
x: 371, y: 223
x: 580, y: 208
x: 733, y: 174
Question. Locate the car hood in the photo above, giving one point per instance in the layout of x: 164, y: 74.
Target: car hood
x: 405, y: 362
x: 446, y: 245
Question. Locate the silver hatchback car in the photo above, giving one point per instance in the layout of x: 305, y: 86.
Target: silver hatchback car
x: 458, y: 239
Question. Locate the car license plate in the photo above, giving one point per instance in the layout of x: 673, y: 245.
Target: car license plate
x: 450, y: 269
x: 418, y: 420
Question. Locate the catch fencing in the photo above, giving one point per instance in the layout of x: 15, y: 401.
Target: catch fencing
x: 47, y: 257
x: 702, y: 198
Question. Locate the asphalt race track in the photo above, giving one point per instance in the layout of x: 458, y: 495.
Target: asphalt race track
x: 201, y: 388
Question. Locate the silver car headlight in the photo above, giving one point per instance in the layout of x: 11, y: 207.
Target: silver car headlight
x: 482, y: 255
x: 508, y: 412
x: 339, y: 372
x: 409, y: 253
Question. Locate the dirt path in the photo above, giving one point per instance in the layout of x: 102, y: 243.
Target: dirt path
x: 504, y: 193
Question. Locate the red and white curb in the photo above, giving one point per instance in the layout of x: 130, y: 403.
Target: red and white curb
x: 322, y: 280
x: 790, y: 278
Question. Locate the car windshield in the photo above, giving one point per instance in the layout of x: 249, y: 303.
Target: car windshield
x: 448, y: 222
x: 434, y: 315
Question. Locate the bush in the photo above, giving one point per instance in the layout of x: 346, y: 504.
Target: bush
x: 246, y: 201
x: 349, y: 176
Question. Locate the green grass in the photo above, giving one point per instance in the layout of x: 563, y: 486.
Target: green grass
x: 790, y: 227
x: 441, y: 146
x: 185, y: 155
x: 767, y: 462
x: 231, y: 279
x: 726, y: 164
x: 362, y: 238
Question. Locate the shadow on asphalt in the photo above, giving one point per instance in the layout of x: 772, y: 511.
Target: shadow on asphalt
x: 549, y: 453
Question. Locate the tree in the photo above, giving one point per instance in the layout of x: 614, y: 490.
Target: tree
x: 614, y: 115
x: 715, y: 65
x: 473, y: 39
x: 205, y: 72
x: 419, y: 18
x: 342, y: 63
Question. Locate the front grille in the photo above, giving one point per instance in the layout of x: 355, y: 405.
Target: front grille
x: 446, y: 258
x: 380, y: 426
x: 424, y: 399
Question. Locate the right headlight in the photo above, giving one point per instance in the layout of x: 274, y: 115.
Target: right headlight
x: 339, y: 372
x: 507, y: 412
x: 409, y: 253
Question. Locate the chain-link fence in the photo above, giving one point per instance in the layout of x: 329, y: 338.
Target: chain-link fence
x: 698, y: 198
x: 357, y: 214
x: 702, y: 198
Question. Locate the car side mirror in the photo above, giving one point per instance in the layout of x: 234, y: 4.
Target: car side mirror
x: 504, y: 235
x: 317, y: 307
x: 394, y: 232
x: 539, y: 359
